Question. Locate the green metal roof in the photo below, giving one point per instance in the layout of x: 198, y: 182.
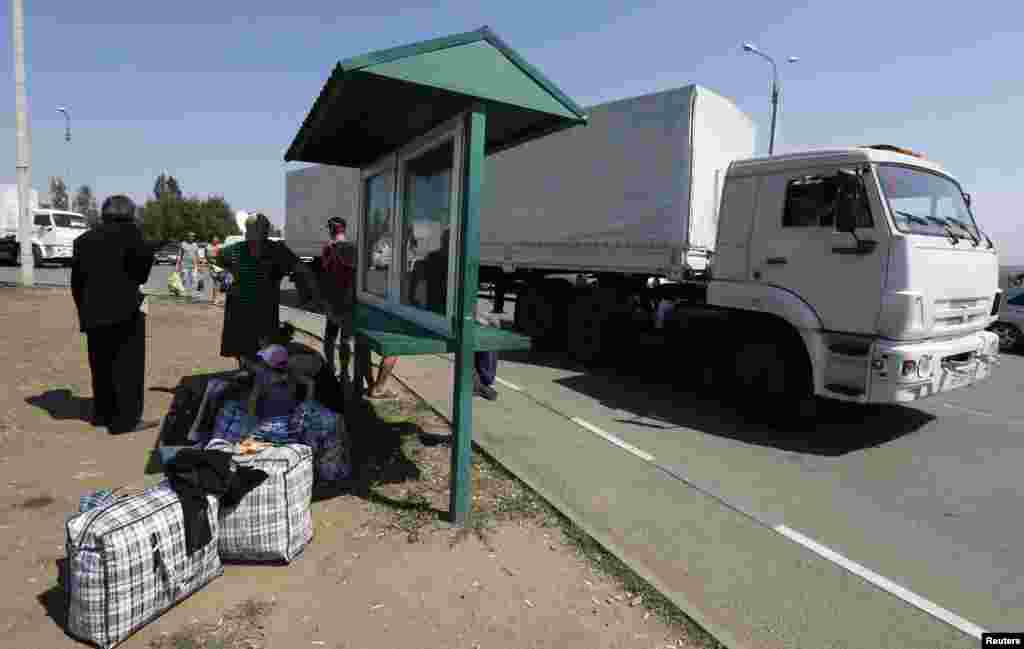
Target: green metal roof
x: 376, y: 103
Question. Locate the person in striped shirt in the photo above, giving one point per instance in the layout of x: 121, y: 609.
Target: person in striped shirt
x: 253, y: 305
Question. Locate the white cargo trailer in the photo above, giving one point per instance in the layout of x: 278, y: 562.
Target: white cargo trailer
x: 634, y: 191
x: 312, y: 195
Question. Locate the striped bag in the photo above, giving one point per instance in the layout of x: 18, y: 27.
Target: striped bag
x: 127, y: 564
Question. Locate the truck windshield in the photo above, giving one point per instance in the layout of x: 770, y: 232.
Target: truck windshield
x: 924, y: 202
x: 69, y: 221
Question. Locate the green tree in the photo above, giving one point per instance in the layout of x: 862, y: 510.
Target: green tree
x: 58, y: 193
x: 170, y: 218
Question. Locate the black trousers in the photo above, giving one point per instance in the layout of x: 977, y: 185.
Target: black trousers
x: 117, y: 359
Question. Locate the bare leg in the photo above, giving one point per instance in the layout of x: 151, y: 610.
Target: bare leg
x: 387, y: 365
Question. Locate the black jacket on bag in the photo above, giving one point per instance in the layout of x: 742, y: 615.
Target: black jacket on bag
x: 193, y: 475
x: 108, y: 266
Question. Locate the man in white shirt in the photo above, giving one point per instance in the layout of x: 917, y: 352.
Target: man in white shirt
x: 188, y: 263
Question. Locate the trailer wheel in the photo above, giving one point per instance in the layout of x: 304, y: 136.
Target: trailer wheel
x: 592, y: 318
x: 535, y: 313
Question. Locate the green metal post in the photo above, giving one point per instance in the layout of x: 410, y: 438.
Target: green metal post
x: 465, y: 317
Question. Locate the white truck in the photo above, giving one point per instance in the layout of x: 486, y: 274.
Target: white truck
x: 857, y: 274
x: 53, y: 231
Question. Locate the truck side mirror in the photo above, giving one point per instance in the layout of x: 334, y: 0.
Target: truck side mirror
x: 848, y: 198
x: 846, y: 217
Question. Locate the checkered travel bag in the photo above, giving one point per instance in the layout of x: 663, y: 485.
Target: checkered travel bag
x: 127, y: 564
x: 273, y: 521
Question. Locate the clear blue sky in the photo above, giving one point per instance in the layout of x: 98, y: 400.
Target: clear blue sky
x: 214, y: 91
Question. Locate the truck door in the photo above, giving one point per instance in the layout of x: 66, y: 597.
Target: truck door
x: 796, y: 247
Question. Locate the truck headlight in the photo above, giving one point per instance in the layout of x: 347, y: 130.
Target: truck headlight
x: 924, y: 367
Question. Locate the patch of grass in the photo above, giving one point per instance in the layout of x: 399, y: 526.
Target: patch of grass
x: 413, y: 514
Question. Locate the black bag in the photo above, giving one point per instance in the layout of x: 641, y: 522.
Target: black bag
x: 200, y: 285
x: 188, y: 397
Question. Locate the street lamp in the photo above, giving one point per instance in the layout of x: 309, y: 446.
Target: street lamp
x: 747, y: 47
x: 67, y: 138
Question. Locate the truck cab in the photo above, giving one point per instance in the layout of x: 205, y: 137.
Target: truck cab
x: 54, y: 232
x: 872, y: 256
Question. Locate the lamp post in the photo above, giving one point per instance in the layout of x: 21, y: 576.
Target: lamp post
x: 747, y: 47
x: 27, y: 273
x: 67, y: 138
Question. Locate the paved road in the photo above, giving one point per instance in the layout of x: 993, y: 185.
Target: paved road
x: 927, y: 497
x: 57, y: 275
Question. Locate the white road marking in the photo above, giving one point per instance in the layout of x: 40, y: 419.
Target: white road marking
x: 980, y: 413
x: 887, y: 585
x: 643, y: 455
x: 510, y: 386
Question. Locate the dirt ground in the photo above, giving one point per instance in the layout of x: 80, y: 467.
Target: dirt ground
x: 384, y: 568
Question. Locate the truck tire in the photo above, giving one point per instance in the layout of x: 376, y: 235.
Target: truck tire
x: 540, y: 310
x: 591, y: 319
x: 37, y: 256
x: 773, y: 374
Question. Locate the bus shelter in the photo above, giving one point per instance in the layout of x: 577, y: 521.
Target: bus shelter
x: 418, y: 121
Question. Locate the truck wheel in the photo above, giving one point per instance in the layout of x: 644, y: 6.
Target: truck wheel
x: 1009, y: 336
x: 540, y: 310
x: 535, y: 313
x: 774, y: 374
x: 591, y: 319
x: 37, y: 256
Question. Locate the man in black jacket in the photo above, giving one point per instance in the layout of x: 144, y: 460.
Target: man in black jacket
x: 108, y: 265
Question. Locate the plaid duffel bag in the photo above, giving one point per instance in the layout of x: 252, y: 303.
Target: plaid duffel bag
x: 127, y: 564
x: 273, y: 521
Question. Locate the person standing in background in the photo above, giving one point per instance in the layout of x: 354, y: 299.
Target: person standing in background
x: 216, y: 272
x: 252, y: 308
x: 188, y: 263
x: 108, y: 265
x: 338, y: 260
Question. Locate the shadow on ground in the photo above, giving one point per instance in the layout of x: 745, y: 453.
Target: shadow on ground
x: 54, y: 601
x: 62, y: 404
x: 380, y: 457
x: 378, y: 451
x: 657, y: 399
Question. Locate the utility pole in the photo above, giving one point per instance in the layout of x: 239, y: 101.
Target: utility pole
x: 27, y: 275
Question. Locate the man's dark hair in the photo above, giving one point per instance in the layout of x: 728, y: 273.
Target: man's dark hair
x: 337, y: 224
x: 118, y: 208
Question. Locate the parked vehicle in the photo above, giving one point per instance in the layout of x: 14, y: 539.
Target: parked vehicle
x: 1010, y: 325
x: 53, y: 231
x: 167, y: 255
x: 857, y: 274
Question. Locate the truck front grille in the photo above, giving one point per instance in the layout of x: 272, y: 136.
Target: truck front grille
x: 961, y: 312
